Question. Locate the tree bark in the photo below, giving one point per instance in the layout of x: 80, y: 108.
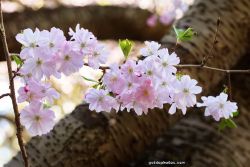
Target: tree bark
x: 86, y: 138
x: 197, y: 141
x: 106, y: 22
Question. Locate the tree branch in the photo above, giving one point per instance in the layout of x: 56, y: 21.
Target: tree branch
x: 210, y: 55
x: 12, y: 89
x: 4, y: 95
x: 212, y: 68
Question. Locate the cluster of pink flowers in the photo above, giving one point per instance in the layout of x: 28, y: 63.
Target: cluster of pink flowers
x: 146, y: 84
x: 168, y: 15
x: 218, y: 107
x: 134, y: 85
x: 49, y: 54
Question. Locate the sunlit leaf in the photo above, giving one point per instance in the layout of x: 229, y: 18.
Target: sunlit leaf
x: 227, y: 123
x: 126, y: 47
x: 17, y: 59
x: 90, y: 80
x: 184, y: 35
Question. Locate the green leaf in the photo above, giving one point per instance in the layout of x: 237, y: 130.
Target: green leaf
x: 91, y: 80
x: 225, y: 90
x: 227, y: 123
x: 126, y: 47
x: 184, y: 35
x: 96, y: 86
x: 236, y: 113
x: 47, y: 105
x: 17, y: 59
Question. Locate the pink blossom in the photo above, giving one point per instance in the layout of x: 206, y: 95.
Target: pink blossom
x: 152, y: 20
x: 167, y: 17
x: 184, y: 95
x: 30, y: 92
x: 218, y: 107
x: 113, y: 79
x: 97, y: 55
x: 145, y: 94
x: 100, y: 100
x: 29, y: 40
x: 37, y: 91
x: 52, y: 40
x: 167, y: 62
x: 150, y: 49
x: 130, y: 69
x: 150, y: 68
x: 37, y: 121
x: 39, y: 67
x: 135, y: 106
x: 82, y: 39
x: 70, y: 61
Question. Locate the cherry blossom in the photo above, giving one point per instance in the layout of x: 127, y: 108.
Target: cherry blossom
x: 100, y: 100
x: 167, y: 17
x: 152, y: 20
x: 150, y: 49
x: 70, y: 60
x: 97, y: 55
x: 53, y: 40
x: 39, y: 68
x: 218, y: 107
x: 29, y: 40
x: 82, y: 39
x: 35, y: 91
x: 36, y: 119
x: 134, y: 85
x: 184, y: 94
x: 113, y: 80
x: 167, y: 62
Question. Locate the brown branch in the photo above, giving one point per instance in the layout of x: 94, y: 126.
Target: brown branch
x: 15, y: 73
x: 212, y: 68
x: 210, y: 55
x: 4, y: 95
x: 12, y: 89
x: 229, y: 85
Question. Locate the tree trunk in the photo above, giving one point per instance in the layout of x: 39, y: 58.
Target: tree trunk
x: 108, y: 22
x: 86, y: 138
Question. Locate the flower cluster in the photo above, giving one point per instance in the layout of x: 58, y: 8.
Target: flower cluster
x: 167, y: 14
x: 146, y: 84
x: 48, y: 54
x: 218, y: 107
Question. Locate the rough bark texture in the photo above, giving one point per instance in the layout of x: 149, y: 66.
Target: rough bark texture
x: 198, y: 142
x: 88, y: 139
x: 108, y: 22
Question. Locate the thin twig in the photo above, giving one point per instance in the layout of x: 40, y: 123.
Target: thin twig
x: 212, y: 68
x: 12, y: 90
x: 4, y: 95
x: 229, y: 85
x: 15, y: 73
x: 210, y: 55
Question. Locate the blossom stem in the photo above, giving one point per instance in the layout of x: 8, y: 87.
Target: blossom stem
x: 12, y: 89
